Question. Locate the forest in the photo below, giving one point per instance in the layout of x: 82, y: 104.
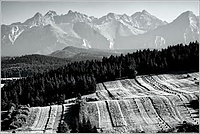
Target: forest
x: 27, y: 65
x: 80, y: 78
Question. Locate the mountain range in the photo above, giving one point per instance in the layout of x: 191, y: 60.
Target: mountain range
x: 52, y: 33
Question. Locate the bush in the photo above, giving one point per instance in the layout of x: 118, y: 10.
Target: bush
x: 63, y: 128
x: 187, y: 127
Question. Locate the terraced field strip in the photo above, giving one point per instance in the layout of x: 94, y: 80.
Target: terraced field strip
x: 92, y: 111
x: 58, y: 118
x: 167, y: 88
x: 127, y: 85
x: 124, y: 89
x: 111, y: 85
x: 118, y: 93
x: 131, y: 119
x: 105, y: 119
x: 171, y: 107
x: 190, y: 95
x: 103, y: 95
x: 161, y: 85
x: 38, y: 113
x: 116, y: 114
x: 52, y: 117
x: 182, y: 109
x: 138, y: 87
x: 100, y: 87
x: 109, y: 93
x: 43, y: 118
x: 193, y: 89
x: 165, y: 112
x: 159, y: 123
x: 151, y: 86
x: 178, y: 90
x: 138, y: 117
x: 144, y: 115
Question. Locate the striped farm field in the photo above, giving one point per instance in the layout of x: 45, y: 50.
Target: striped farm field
x: 148, y: 103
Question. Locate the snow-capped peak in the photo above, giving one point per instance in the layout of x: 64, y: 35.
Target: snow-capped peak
x: 35, y: 20
x: 145, y: 12
x: 51, y: 13
x: 37, y: 15
x: 187, y: 17
x: 145, y: 20
x: 112, y: 16
x: 70, y: 11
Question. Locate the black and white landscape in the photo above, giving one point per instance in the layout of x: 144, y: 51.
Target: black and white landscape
x: 118, y: 73
x: 45, y: 34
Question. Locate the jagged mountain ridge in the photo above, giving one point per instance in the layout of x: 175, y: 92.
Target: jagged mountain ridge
x: 51, y: 32
x: 183, y: 29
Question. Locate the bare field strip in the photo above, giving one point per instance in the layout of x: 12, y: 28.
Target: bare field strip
x: 129, y: 116
x: 164, y: 111
x: 105, y: 122
x: 182, y: 109
x: 150, y: 123
x: 159, y: 123
x: 36, y: 118
x: 116, y: 114
x: 43, y: 118
x: 52, y: 117
x: 58, y: 118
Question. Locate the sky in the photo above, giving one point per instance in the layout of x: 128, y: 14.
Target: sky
x: 19, y: 11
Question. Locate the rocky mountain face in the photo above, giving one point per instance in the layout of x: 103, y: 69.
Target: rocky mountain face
x: 45, y: 34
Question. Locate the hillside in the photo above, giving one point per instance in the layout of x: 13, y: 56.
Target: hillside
x: 155, y: 103
x: 27, y: 65
x: 56, y: 85
x: 77, y: 54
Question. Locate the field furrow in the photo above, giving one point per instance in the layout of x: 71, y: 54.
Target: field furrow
x: 37, y: 118
x: 129, y: 116
x: 105, y: 122
x: 58, y: 118
x: 149, y: 83
x: 129, y: 86
x: 103, y: 95
x: 52, y: 117
x: 139, y: 119
x: 164, y: 111
x: 116, y: 114
x: 43, y: 118
x: 150, y: 123
x: 138, y: 87
x: 181, y: 108
x: 159, y: 123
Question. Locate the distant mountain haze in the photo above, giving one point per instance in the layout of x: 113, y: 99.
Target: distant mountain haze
x: 49, y: 33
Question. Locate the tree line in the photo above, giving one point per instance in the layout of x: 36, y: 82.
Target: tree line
x: 81, y: 77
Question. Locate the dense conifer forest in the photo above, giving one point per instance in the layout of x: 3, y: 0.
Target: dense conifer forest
x: 27, y: 65
x: 75, y: 78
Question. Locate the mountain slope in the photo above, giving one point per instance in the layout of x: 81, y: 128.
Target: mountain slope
x: 51, y: 32
x: 183, y: 29
x: 74, y: 53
